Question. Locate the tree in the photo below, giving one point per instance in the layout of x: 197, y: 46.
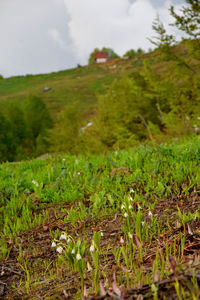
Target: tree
x: 7, y: 144
x: 189, y: 20
x: 124, y: 113
x: 130, y: 53
x: 189, y: 23
x: 17, y: 119
x: 64, y: 136
x: 19, y: 130
x: 182, y: 96
x: 38, y: 122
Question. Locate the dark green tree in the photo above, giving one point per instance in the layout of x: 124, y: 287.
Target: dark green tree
x: 7, y: 142
x: 65, y: 135
x: 189, y: 19
x: 38, y: 122
x: 189, y: 23
x: 17, y: 119
x: 124, y: 113
x: 130, y: 53
x: 181, y: 88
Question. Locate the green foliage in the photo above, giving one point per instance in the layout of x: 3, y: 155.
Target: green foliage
x: 132, y: 53
x: 7, y: 143
x: 37, y: 116
x: 123, y: 115
x: 64, y: 136
x: 38, y: 121
x: 182, y: 97
x: 188, y: 21
x: 24, y: 130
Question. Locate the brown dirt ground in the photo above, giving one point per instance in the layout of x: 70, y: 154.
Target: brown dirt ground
x: 36, y: 245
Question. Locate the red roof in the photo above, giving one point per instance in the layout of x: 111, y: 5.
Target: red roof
x: 98, y: 55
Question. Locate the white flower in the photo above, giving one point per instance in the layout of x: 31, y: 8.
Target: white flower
x: 116, y: 152
x: 125, y: 215
x: 143, y: 223
x: 63, y: 236
x: 130, y: 206
x: 132, y: 191
x: 92, y: 248
x: 150, y: 214
x: 59, y: 249
x: 73, y: 251
x: 131, y: 199
x: 78, y: 173
x: 130, y: 235
x: 64, y: 159
x: 122, y: 207
x: 198, y: 118
x: 121, y: 240
x: 35, y: 183
x: 68, y: 240
x: 102, y: 234
x: 89, y: 124
x: 53, y: 245
x: 78, y: 256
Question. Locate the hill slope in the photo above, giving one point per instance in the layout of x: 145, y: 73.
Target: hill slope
x: 149, y: 97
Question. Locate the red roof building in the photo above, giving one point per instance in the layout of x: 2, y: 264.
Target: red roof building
x: 100, y: 57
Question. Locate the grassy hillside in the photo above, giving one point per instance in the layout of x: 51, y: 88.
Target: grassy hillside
x: 80, y: 85
x: 153, y: 96
x: 120, y: 226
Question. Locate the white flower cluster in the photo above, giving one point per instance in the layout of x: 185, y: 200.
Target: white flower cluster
x: 127, y: 206
x: 59, y: 248
x: 35, y: 183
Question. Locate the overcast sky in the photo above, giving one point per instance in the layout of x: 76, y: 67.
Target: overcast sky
x: 41, y: 36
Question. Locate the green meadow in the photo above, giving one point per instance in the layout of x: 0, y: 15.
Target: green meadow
x: 122, y: 225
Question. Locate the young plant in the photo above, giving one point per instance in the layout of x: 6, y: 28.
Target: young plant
x: 72, y: 253
x: 95, y: 251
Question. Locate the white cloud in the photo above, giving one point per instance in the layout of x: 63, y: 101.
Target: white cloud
x: 56, y: 36
x: 34, y: 37
x: 49, y: 35
x: 119, y: 24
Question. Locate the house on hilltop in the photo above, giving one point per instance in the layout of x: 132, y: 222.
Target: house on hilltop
x: 100, y: 57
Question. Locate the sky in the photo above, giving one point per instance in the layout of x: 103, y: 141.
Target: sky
x: 42, y: 36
